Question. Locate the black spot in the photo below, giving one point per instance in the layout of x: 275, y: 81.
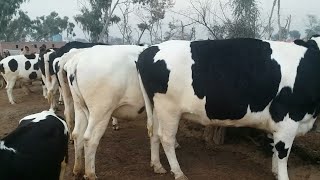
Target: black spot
x: 304, y: 98
x: 282, y: 151
x: 155, y: 75
x: 27, y: 65
x: 36, y: 66
x: 41, y: 65
x: 57, y: 67
x: 30, y: 56
x: 233, y: 74
x: 141, y: 110
x: 13, y: 65
x: 33, y: 75
x: 42, y: 82
x: 71, y: 78
x: 2, y: 68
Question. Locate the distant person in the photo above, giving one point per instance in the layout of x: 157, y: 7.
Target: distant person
x: 26, y: 50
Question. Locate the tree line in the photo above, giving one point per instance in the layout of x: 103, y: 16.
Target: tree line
x: 156, y: 20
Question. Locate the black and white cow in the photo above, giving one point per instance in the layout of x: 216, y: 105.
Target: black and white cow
x: 273, y: 86
x: 19, y: 67
x: 37, y: 149
x: 104, y: 83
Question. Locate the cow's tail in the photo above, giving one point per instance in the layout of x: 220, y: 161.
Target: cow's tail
x: 2, y: 79
x: 148, y: 106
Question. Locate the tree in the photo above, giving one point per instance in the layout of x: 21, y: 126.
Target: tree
x: 151, y: 14
x: 294, y: 34
x: 44, y: 27
x: 8, y: 9
x: 96, y: 17
x: 313, y: 26
x: 124, y: 26
x: 19, y: 28
x: 245, y: 18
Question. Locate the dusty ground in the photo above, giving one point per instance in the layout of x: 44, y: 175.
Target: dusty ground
x: 125, y: 154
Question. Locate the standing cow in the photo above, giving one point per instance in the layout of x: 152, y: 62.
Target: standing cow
x: 37, y: 149
x: 104, y: 83
x: 273, y: 86
x: 20, y: 67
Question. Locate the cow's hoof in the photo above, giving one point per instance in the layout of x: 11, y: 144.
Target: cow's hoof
x: 13, y: 102
x: 183, y: 177
x: 71, y: 141
x: 77, y: 176
x: 115, y: 127
x: 93, y: 177
x: 159, y: 170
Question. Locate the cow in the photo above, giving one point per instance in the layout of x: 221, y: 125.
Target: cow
x: 20, y: 67
x: 103, y: 81
x: 269, y: 85
x: 63, y: 85
x: 47, y: 67
x: 37, y: 149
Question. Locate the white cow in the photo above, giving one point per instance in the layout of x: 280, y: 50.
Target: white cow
x: 103, y: 81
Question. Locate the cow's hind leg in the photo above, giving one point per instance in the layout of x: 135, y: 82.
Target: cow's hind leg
x: 283, y: 140
x: 10, y: 85
x: 77, y: 136
x: 168, y: 127
x: 97, y: 125
x: 155, y: 147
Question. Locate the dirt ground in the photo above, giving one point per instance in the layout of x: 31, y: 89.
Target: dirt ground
x: 125, y: 154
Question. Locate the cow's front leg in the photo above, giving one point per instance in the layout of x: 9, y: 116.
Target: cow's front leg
x: 283, y: 139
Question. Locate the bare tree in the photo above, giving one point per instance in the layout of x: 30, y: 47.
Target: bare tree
x: 279, y: 23
x: 270, y: 19
x: 151, y: 14
x: 124, y: 27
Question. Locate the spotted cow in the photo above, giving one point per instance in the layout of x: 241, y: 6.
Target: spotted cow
x: 19, y: 67
x: 37, y: 149
x: 273, y: 86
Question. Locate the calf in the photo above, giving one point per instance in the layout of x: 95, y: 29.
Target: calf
x: 104, y: 82
x: 37, y: 149
x: 19, y: 67
x: 273, y: 86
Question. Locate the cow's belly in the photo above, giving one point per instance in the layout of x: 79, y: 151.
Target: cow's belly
x: 130, y: 112
x: 193, y: 109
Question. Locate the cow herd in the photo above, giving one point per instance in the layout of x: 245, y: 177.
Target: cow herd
x: 269, y: 85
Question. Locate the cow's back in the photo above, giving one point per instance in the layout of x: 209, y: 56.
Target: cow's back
x: 108, y: 73
x: 237, y: 79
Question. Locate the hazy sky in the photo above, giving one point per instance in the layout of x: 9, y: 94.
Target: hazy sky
x: 297, y: 8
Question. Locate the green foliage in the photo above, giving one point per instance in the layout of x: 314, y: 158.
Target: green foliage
x: 92, y: 20
x: 246, y: 14
x: 44, y: 27
x: 313, y: 26
x: 18, y: 29
x: 294, y: 34
x: 8, y: 8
